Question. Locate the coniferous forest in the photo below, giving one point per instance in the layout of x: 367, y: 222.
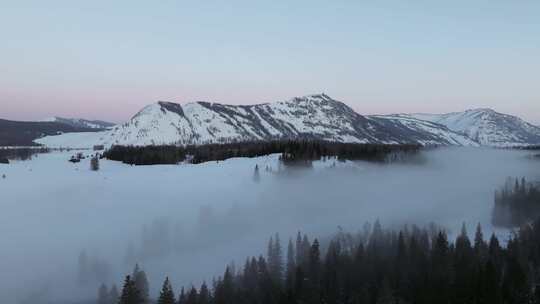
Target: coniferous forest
x: 292, y: 151
x: 20, y: 153
x: 376, y: 266
x: 516, y: 203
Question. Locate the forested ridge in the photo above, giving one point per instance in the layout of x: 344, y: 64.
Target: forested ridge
x: 291, y: 151
x: 376, y: 266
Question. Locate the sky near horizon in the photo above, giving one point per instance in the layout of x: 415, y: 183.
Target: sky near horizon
x: 107, y: 59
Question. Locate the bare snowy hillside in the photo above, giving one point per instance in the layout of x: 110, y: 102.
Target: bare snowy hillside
x: 488, y: 127
x: 423, y: 131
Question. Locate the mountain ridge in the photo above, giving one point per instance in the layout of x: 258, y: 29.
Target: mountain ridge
x: 24, y: 133
x: 487, y: 127
x: 315, y: 116
x: 80, y: 122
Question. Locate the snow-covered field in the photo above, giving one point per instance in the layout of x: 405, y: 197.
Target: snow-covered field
x: 218, y: 212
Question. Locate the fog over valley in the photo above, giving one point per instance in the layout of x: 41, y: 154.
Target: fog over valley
x: 67, y: 229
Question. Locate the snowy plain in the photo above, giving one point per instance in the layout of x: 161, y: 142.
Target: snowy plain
x: 217, y: 212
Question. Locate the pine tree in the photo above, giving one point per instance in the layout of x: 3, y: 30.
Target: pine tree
x: 314, y: 271
x: 103, y: 296
x: 440, y: 269
x: 490, y: 292
x: 401, y: 266
x: 299, y: 249
x: 306, y: 248
x: 114, y: 296
x: 480, y: 246
x: 464, y: 270
x: 515, y: 286
x: 224, y: 292
x: 291, y: 266
x: 204, y: 294
x: 130, y: 293
x: 141, y: 282
x: 275, y: 259
x: 192, y: 296
x: 182, y: 297
x: 166, y: 295
x: 256, y: 174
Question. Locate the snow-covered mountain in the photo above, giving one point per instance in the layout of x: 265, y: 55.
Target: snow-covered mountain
x: 80, y: 123
x: 488, y: 127
x: 313, y: 116
x: 423, y: 131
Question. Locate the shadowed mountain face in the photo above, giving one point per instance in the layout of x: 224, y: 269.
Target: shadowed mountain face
x: 23, y: 133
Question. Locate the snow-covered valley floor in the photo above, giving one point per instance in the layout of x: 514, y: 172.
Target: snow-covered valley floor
x: 52, y: 210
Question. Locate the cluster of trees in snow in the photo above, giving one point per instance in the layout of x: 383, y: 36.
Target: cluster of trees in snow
x: 293, y: 151
x: 516, y: 203
x: 20, y: 154
x: 412, y: 265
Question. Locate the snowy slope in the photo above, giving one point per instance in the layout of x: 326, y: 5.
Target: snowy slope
x: 423, y: 131
x: 80, y: 123
x: 488, y: 127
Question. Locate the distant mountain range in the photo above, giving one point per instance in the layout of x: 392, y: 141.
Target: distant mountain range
x: 488, y: 127
x: 309, y: 117
x: 81, y: 123
x: 23, y: 133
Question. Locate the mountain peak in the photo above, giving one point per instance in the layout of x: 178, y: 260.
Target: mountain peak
x: 313, y: 97
x: 481, y: 110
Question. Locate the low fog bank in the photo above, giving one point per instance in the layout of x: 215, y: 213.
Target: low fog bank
x: 168, y: 218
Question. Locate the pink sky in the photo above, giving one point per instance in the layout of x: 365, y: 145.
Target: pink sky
x: 106, y: 60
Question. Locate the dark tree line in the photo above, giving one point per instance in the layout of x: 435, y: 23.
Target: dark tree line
x: 23, y: 133
x: 20, y: 154
x: 292, y: 152
x: 530, y: 147
x: 147, y: 155
x: 516, y: 203
x: 378, y: 266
